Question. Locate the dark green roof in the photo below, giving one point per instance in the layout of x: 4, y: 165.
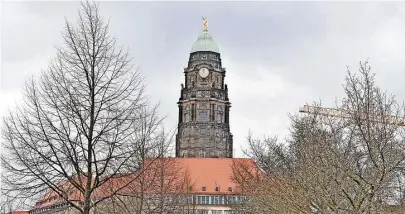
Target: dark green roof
x: 205, y: 42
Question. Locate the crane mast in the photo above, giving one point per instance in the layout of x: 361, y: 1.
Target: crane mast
x: 339, y: 113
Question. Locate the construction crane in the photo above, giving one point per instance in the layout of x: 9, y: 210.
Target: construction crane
x: 334, y: 112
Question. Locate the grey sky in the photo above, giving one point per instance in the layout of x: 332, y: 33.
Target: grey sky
x: 278, y: 55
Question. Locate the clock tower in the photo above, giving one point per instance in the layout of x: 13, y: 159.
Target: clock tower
x: 203, y: 129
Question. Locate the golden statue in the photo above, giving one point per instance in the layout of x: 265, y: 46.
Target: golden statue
x: 205, y: 23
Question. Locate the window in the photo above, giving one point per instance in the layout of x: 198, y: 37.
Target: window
x: 212, y: 112
x: 203, y: 116
x: 216, y: 199
x: 186, y: 117
x: 205, y: 200
x: 192, y: 111
x: 216, y: 211
x: 219, y: 117
x: 221, y: 199
x: 189, y: 199
x: 220, y: 114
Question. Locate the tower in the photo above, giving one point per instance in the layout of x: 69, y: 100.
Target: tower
x: 203, y: 128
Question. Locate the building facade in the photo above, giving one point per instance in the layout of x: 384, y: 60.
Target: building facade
x: 203, y: 126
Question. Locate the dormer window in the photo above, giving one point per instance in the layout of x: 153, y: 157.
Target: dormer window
x: 230, y: 189
x: 204, y: 188
x: 216, y: 188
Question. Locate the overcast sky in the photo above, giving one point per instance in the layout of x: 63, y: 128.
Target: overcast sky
x: 278, y: 55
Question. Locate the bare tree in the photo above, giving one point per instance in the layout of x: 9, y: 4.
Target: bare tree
x: 163, y: 187
x: 332, y: 164
x: 248, y: 179
x: 77, y: 128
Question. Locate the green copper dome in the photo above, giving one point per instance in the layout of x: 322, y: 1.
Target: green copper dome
x: 205, y: 42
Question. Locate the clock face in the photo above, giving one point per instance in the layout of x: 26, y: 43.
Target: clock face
x: 204, y: 72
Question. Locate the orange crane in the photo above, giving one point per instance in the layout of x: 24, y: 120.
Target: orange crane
x: 334, y: 112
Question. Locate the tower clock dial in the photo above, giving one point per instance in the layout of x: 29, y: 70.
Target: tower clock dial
x: 204, y: 72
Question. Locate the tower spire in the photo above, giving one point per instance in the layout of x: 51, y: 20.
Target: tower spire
x: 205, y: 21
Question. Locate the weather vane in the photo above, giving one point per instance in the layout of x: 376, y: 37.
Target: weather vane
x: 205, y: 23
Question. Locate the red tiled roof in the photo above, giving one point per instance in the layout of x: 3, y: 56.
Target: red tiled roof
x: 51, y: 197
x: 212, y: 173
x: 180, y: 175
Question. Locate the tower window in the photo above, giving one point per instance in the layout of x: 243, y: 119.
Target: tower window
x: 203, y: 116
x: 212, y: 112
x: 193, y: 111
x: 219, y: 114
x: 219, y: 117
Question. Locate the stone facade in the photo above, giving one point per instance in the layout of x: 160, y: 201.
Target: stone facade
x: 203, y: 129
